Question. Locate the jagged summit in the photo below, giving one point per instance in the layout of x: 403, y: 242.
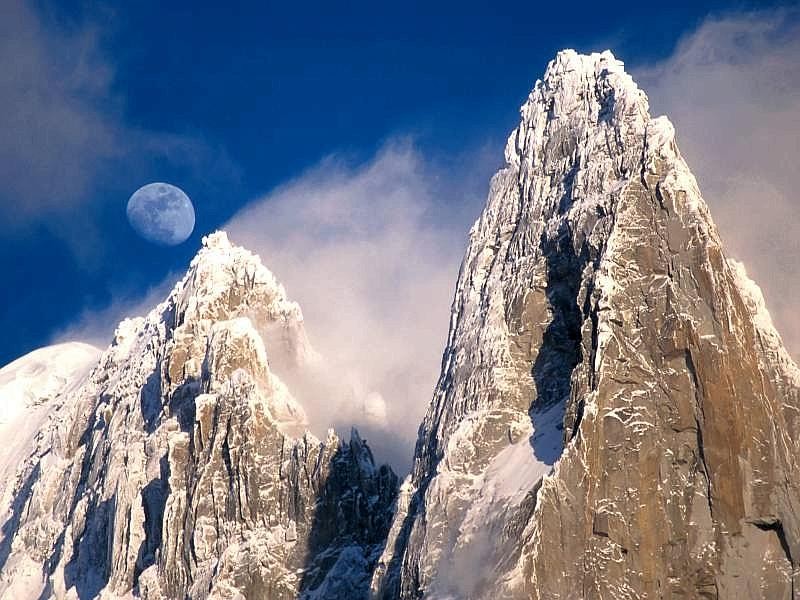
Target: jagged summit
x: 216, y: 240
x: 224, y: 279
x: 227, y: 298
x: 575, y: 81
x: 183, y: 466
x: 602, y: 345
x: 585, y: 90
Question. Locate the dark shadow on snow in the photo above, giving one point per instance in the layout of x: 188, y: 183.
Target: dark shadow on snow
x: 88, y: 570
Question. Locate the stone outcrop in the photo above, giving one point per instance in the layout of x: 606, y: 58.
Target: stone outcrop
x: 182, y: 466
x: 616, y: 416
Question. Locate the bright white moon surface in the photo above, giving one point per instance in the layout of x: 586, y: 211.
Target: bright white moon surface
x: 161, y: 213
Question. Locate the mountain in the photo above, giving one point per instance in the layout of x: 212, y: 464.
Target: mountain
x: 30, y: 388
x: 616, y: 416
x: 181, y: 466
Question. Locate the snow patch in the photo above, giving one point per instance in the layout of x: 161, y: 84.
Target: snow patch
x: 29, y: 386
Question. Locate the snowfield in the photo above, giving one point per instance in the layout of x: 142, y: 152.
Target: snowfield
x: 29, y: 387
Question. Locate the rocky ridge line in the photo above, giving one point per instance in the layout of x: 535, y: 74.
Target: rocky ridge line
x: 183, y: 467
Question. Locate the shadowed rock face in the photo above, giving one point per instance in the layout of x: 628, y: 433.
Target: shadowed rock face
x: 616, y: 416
x: 182, y: 466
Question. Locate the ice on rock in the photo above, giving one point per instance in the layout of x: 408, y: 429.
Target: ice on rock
x: 616, y: 416
x: 182, y: 465
x: 216, y: 241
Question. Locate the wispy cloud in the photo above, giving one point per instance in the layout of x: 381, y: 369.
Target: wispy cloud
x: 371, y: 253
x: 732, y: 88
x: 53, y: 132
x: 65, y: 129
x: 96, y: 327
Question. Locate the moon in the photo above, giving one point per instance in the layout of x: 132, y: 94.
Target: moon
x: 161, y: 213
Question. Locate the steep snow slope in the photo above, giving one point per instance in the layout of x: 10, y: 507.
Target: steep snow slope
x: 595, y: 307
x: 40, y: 375
x: 29, y: 387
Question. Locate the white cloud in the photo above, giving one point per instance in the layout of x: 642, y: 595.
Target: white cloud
x: 367, y: 253
x: 371, y: 253
x: 732, y: 88
x: 96, y: 327
x: 53, y: 131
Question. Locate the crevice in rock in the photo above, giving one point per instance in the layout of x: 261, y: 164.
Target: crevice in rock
x: 150, y: 400
x: 86, y: 461
x: 399, y: 565
x: 775, y: 525
x: 11, y: 525
x: 88, y: 570
x: 560, y: 351
x: 226, y: 457
x: 699, y: 426
x: 182, y: 403
x: 154, y: 500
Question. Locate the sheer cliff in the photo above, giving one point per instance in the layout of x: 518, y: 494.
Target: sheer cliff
x: 616, y: 417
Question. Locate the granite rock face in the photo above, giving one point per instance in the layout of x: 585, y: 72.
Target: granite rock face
x: 182, y: 467
x: 616, y: 416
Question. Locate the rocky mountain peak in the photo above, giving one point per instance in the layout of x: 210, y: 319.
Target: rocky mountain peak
x: 183, y: 466
x: 225, y: 281
x: 612, y: 391
x: 576, y: 93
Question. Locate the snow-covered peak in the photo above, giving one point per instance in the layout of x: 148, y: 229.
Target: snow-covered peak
x: 217, y: 239
x: 605, y: 366
x: 226, y: 281
x: 42, y: 374
x: 186, y: 419
x: 29, y: 388
x: 569, y: 71
x: 570, y: 64
x: 590, y: 88
x: 224, y: 277
x: 225, y: 285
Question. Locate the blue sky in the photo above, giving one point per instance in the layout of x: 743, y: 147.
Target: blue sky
x: 228, y: 104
